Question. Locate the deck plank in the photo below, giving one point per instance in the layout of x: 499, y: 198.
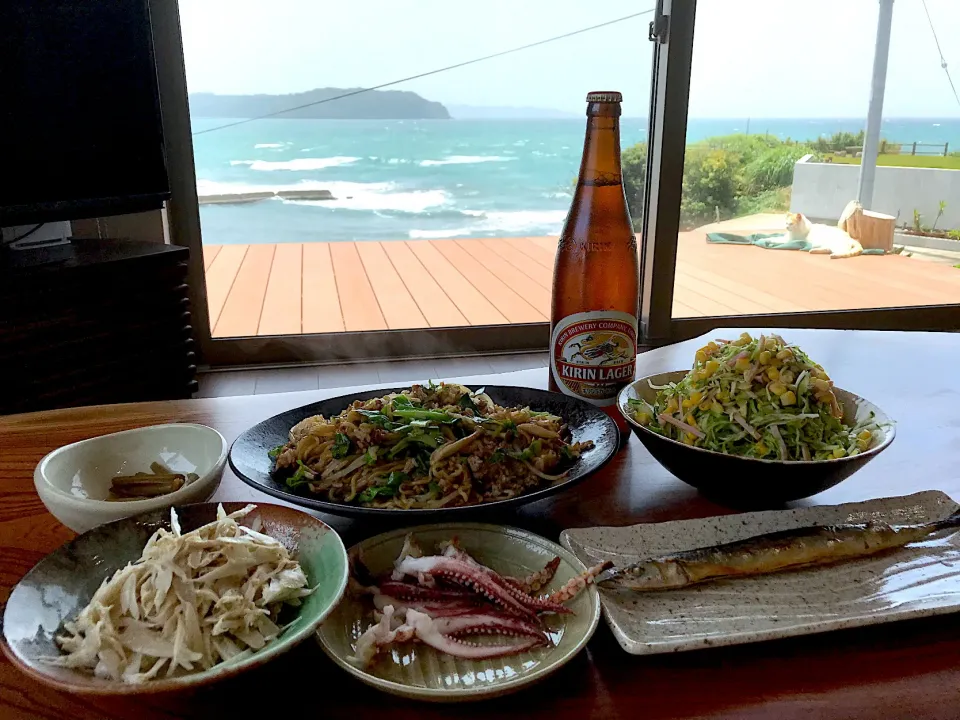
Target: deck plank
x: 220, y: 278
x: 488, y: 281
x: 241, y: 312
x: 535, y: 271
x: 476, y: 308
x: 524, y: 286
x: 282, y: 305
x: 505, y: 299
x: 399, y: 308
x: 438, y: 309
x: 210, y: 253
x: 320, y: 306
x: 358, y: 303
x: 535, y: 252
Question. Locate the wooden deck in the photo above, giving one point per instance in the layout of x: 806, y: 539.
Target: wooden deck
x: 286, y: 288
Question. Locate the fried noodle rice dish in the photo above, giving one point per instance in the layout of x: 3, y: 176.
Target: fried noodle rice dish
x: 431, y: 446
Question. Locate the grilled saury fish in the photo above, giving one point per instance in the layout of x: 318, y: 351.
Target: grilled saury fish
x: 773, y: 552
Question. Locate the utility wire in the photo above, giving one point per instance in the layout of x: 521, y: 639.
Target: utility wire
x: 426, y: 74
x: 943, y: 62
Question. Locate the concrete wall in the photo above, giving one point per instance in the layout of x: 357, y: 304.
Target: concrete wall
x: 821, y: 190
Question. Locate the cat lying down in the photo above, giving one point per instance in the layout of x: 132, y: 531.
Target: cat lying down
x: 825, y: 238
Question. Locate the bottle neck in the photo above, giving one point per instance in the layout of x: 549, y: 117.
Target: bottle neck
x: 601, y: 152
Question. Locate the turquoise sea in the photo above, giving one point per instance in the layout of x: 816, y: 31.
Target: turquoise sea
x: 416, y: 179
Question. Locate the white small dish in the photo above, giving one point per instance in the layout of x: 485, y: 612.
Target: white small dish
x: 74, y: 481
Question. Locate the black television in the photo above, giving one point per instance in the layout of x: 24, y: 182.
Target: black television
x: 80, y: 131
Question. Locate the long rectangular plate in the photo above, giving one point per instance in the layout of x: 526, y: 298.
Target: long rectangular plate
x: 915, y: 581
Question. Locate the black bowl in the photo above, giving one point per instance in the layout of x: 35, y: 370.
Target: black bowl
x: 752, y: 482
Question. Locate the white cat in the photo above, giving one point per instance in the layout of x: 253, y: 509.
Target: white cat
x: 825, y: 238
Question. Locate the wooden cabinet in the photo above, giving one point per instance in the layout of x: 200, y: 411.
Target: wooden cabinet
x: 99, y: 321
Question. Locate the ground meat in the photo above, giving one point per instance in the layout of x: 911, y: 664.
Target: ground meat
x: 475, y: 463
x: 287, y: 458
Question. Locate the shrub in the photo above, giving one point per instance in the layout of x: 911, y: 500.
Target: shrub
x: 774, y: 168
x: 768, y: 201
x: 710, y: 185
x: 634, y: 162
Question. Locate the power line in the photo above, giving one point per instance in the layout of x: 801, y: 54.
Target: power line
x: 426, y: 74
x: 943, y: 62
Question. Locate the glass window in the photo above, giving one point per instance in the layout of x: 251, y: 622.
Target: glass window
x: 433, y: 203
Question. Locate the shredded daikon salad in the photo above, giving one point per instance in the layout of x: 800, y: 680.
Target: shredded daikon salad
x: 761, y: 398
x: 191, y: 601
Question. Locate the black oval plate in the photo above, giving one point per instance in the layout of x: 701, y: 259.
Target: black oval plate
x: 250, y: 461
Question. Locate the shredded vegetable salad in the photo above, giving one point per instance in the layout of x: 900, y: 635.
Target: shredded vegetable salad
x: 756, y: 397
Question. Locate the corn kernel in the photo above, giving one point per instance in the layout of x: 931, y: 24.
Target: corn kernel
x: 700, y: 356
x: 723, y: 396
x: 773, y: 373
x: 712, y: 347
x: 765, y: 357
x: 710, y: 368
x: 643, y: 418
x: 696, y: 396
x: 777, y: 388
x: 864, y: 435
x: 706, y: 405
x: 760, y: 448
x: 786, y: 377
x: 776, y: 362
x: 742, y: 364
x: 839, y: 453
x: 744, y: 339
x: 788, y: 398
x: 785, y: 354
x: 770, y: 344
x: 689, y: 439
x: 691, y: 420
x: 821, y: 385
x: 672, y: 405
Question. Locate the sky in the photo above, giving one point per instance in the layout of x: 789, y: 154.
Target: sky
x: 752, y: 58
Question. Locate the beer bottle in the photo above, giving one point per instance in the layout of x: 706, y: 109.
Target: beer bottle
x: 593, y: 338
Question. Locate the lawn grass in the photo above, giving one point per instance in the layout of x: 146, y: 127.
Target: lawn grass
x: 950, y: 162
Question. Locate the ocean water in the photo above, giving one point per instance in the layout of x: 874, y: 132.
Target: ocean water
x: 416, y: 179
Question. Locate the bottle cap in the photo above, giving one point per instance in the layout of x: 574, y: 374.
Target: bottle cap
x: 604, y: 96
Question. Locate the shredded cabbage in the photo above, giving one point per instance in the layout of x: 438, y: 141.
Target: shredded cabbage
x: 761, y: 398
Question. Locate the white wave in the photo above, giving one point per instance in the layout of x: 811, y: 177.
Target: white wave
x: 377, y: 196
x: 541, y: 222
x: 260, y: 146
x: 438, y: 234
x: 382, y: 196
x: 297, y: 164
x: 465, y: 160
x: 397, y: 161
x: 556, y: 194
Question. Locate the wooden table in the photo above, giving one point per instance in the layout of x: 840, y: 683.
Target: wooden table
x: 905, y: 670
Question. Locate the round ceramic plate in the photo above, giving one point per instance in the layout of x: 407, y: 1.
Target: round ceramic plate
x: 61, y: 584
x: 416, y: 671
x: 250, y: 459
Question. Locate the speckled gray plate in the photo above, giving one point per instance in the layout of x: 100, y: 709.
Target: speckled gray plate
x: 61, y: 584
x: 918, y: 580
x: 416, y: 671
x: 250, y: 460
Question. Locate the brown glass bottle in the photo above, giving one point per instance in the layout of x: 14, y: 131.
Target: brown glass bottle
x: 593, y: 325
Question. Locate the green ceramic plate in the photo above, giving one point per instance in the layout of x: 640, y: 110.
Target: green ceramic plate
x: 61, y: 584
x: 416, y: 671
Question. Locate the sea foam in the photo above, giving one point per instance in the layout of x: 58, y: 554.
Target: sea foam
x: 465, y: 160
x: 299, y: 164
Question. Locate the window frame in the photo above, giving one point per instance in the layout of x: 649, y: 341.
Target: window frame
x: 670, y: 97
